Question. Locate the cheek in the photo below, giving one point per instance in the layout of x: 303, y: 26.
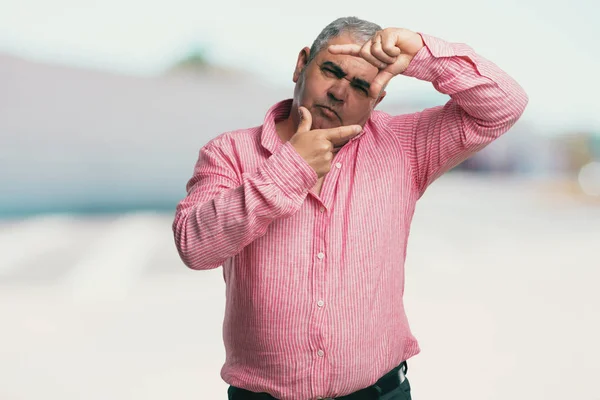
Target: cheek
x: 301, y: 90
x: 316, y: 87
x: 315, y: 82
x: 358, y: 110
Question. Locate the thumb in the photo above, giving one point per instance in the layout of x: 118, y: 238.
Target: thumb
x: 379, y: 83
x: 305, y: 120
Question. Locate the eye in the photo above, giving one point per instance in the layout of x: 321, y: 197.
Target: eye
x: 361, y: 89
x: 329, y: 72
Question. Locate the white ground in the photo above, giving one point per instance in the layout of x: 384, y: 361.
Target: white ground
x: 505, y: 304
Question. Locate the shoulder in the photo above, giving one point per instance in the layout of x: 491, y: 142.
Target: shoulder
x: 383, y: 123
x: 229, y: 141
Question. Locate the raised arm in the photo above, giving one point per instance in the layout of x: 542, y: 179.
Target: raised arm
x: 485, y: 101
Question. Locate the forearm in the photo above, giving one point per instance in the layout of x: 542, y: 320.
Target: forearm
x: 485, y: 102
x: 212, y: 225
x: 489, y: 97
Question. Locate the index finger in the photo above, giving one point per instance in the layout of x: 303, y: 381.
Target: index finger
x: 379, y: 82
x: 340, y: 135
x: 352, y: 49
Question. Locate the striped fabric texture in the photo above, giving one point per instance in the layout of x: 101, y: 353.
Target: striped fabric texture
x: 315, y: 282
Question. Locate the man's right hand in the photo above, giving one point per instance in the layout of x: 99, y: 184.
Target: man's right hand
x: 318, y: 146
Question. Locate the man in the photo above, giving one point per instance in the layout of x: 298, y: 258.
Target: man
x: 309, y: 213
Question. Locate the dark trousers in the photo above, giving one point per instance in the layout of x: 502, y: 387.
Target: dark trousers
x: 388, y: 387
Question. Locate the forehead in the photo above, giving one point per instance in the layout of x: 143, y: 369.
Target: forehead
x: 354, y: 66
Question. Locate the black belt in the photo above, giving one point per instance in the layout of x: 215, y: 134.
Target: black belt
x: 384, y: 385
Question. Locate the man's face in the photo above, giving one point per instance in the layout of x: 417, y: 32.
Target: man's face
x: 335, y: 87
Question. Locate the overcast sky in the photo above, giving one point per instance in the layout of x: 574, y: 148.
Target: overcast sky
x: 551, y: 48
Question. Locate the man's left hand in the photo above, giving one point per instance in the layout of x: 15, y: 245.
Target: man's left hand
x: 390, y: 50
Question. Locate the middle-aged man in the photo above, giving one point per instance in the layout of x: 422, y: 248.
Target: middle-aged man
x: 309, y: 213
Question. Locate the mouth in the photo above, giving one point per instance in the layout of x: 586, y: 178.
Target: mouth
x: 329, y: 113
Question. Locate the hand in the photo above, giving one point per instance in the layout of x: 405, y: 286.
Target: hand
x: 318, y: 146
x: 390, y: 50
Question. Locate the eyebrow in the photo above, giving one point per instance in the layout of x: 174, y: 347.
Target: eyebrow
x: 341, y: 73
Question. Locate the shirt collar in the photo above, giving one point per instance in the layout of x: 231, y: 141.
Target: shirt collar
x: 269, y: 137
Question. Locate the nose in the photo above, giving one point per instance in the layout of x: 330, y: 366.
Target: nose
x: 338, y: 91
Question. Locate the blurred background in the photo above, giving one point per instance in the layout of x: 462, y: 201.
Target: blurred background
x: 104, y: 107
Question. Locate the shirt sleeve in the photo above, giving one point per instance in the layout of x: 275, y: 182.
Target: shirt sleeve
x: 222, y: 213
x: 484, y: 103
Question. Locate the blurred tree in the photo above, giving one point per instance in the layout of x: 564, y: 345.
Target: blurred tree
x: 196, y: 62
x: 595, y: 146
x: 197, y: 58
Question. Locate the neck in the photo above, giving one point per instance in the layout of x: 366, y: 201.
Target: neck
x: 286, y: 128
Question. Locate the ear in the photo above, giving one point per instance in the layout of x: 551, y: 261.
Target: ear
x: 301, y: 63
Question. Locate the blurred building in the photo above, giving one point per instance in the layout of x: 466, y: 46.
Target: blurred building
x: 84, y: 141
x: 76, y: 140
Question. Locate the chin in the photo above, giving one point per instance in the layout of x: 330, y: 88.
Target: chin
x: 323, y: 123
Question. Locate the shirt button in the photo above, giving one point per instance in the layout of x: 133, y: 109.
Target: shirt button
x: 322, y: 209
x: 320, y: 353
x: 338, y: 165
x: 320, y: 303
x: 321, y: 256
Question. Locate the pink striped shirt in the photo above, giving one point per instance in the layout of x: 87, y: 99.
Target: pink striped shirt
x: 314, y: 283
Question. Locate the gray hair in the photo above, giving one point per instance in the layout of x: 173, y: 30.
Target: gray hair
x: 360, y: 30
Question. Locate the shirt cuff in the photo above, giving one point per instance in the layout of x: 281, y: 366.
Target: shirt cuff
x: 290, y: 171
x: 432, y: 60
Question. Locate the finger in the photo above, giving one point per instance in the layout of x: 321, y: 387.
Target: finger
x: 365, y: 53
x: 305, y: 120
x: 351, y: 49
x: 342, y: 134
x: 356, y: 50
x: 382, y: 79
x: 388, y: 45
x: 330, y: 148
x: 380, y: 54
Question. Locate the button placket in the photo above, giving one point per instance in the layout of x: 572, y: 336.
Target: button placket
x: 319, y: 315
